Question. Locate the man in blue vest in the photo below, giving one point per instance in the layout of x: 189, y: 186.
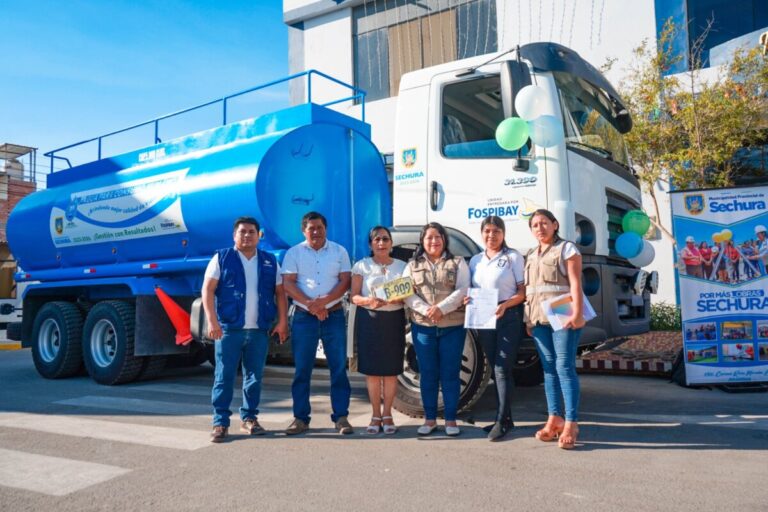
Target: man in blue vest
x: 248, y: 289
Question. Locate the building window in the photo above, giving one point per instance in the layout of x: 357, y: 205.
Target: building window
x: 395, y: 37
x: 733, y: 23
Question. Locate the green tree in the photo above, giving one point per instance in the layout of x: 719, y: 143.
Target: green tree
x: 687, y: 128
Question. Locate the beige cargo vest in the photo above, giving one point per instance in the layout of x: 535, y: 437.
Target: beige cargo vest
x: 543, y: 280
x: 434, y: 284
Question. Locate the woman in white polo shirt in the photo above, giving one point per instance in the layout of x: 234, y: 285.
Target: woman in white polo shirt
x: 500, y: 267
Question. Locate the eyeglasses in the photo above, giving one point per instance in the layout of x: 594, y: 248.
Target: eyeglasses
x: 382, y: 239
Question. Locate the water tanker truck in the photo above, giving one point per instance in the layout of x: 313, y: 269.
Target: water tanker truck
x: 114, y: 250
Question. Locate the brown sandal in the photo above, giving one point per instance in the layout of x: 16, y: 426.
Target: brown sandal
x: 567, y: 440
x: 551, y: 430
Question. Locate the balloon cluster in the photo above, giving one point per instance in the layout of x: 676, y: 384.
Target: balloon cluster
x: 543, y: 129
x: 722, y: 236
x: 630, y: 244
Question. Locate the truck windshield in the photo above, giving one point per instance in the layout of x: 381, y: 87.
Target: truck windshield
x: 587, y: 116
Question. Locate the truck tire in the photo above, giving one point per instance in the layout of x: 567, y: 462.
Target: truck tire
x: 527, y: 372
x: 475, y: 374
x: 13, y: 331
x: 56, y: 333
x: 108, y: 343
x: 151, y: 367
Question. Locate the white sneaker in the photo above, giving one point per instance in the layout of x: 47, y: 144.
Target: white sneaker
x: 425, y: 429
x: 452, y: 431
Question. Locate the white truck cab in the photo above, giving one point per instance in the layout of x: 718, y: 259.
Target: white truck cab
x: 449, y: 169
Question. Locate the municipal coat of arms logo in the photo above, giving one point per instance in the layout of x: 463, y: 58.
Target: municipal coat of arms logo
x: 694, y: 203
x: 58, y: 225
x: 409, y: 157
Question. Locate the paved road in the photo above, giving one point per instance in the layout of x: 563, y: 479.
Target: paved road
x: 73, y: 445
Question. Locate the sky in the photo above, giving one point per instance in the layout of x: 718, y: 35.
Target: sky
x: 75, y: 69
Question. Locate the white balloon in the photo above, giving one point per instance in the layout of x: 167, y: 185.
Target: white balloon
x: 546, y: 131
x: 531, y: 102
x: 645, y: 257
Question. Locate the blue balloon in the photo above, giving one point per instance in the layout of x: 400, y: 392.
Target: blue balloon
x: 546, y: 131
x: 629, y: 245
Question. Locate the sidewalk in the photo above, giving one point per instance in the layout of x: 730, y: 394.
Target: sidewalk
x: 5, y: 344
x: 651, y: 353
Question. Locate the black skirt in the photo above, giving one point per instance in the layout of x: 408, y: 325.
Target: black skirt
x: 380, y: 341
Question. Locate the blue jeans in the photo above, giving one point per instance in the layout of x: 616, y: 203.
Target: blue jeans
x: 438, y: 351
x: 252, y: 344
x: 557, y: 350
x: 306, y: 330
x: 500, y: 346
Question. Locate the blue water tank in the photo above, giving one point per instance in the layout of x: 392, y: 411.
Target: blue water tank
x: 178, y: 199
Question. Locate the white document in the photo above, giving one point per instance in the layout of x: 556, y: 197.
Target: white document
x: 481, y: 311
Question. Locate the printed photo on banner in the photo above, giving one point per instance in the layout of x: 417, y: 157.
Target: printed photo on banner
x: 738, y: 352
x: 736, y: 330
x: 762, y: 330
x: 707, y: 354
x: 700, y: 331
x: 763, y: 351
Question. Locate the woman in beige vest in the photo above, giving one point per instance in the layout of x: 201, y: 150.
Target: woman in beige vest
x: 440, y: 281
x: 552, y: 269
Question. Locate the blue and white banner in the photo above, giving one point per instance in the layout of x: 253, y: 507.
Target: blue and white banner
x: 722, y: 254
x: 133, y: 209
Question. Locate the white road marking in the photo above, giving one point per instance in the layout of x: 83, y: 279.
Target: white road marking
x: 756, y: 422
x: 149, y: 435
x: 52, y: 475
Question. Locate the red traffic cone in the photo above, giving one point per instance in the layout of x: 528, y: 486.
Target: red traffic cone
x: 178, y: 317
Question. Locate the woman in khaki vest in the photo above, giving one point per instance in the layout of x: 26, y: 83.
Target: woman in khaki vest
x: 440, y: 281
x: 552, y: 269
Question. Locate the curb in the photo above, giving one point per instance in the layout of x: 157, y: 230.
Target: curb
x: 622, y: 366
x: 10, y: 345
x: 649, y: 354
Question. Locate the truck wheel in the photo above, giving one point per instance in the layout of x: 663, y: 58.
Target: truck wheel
x: 56, y: 332
x: 151, y: 367
x: 527, y: 372
x: 475, y: 374
x: 108, y: 343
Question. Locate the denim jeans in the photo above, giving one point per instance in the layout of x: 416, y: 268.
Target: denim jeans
x: 438, y: 351
x: 500, y: 346
x: 306, y: 330
x: 252, y: 345
x: 557, y: 350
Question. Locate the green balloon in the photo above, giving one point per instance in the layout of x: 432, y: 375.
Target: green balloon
x: 512, y: 133
x: 636, y: 221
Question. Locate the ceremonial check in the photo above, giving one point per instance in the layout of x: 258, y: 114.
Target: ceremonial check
x: 396, y: 289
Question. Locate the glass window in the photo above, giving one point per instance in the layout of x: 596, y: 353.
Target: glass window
x: 588, y: 119
x: 472, y: 109
x: 392, y: 38
x: 371, y: 50
x: 730, y: 19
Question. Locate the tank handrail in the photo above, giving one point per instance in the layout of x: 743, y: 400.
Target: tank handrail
x: 357, y: 94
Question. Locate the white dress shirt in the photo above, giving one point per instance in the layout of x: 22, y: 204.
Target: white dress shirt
x: 317, y: 271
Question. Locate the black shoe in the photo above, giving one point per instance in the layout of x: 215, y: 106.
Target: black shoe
x: 488, y: 428
x: 498, y: 431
